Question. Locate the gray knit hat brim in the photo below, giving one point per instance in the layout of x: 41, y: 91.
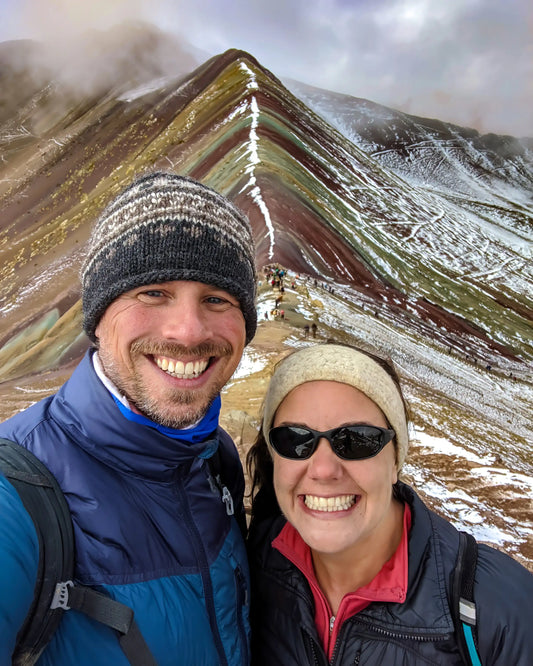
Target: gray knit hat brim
x: 92, y: 315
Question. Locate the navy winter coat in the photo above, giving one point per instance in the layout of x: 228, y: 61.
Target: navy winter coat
x: 418, y: 632
x: 149, y: 531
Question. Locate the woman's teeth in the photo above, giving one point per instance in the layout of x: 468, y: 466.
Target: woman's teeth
x: 182, y: 370
x: 339, y: 503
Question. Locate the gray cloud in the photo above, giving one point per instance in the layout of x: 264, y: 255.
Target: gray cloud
x: 465, y: 61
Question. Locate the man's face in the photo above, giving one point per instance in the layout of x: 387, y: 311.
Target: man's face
x: 171, y: 347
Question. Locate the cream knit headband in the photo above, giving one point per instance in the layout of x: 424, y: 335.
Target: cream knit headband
x: 338, y: 363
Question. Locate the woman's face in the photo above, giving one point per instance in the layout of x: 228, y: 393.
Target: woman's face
x: 363, y: 488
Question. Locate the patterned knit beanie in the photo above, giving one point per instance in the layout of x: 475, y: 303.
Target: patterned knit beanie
x: 166, y: 227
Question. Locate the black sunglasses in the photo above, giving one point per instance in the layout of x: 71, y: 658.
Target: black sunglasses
x: 349, y: 442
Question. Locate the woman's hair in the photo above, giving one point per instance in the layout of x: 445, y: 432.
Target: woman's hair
x: 259, y: 461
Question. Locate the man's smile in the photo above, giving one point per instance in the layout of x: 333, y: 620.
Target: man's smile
x: 181, y: 369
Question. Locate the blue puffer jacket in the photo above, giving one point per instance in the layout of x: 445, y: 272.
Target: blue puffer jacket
x: 418, y: 632
x: 148, y: 528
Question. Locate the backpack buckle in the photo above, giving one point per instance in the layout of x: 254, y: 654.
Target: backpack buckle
x: 467, y: 611
x: 60, y: 598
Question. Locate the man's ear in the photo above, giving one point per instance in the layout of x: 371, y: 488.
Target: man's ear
x: 96, y: 342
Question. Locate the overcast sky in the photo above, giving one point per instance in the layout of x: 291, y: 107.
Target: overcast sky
x: 465, y: 61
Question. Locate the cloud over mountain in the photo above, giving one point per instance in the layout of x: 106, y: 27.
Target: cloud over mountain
x: 466, y: 62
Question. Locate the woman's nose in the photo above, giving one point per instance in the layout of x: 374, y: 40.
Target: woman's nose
x: 324, y: 463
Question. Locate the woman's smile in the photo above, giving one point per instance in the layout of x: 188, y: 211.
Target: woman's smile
x: 330, y: 504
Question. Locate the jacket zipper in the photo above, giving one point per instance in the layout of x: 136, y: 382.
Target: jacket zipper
x: 383, y: 632
x: 415, y: 637
x: 203, y: 566
x: 312, y: 645
x: 242, y: 602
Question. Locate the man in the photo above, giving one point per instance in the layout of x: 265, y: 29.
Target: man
x: 168, y: 300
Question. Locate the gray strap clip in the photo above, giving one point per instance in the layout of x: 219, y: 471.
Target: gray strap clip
x: 60, y: 598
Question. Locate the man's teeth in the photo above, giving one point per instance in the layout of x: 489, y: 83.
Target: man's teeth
x: 339, y: 503
x: 182, y: 370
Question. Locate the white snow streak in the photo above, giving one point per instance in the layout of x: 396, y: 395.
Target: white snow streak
x: 255, y: 191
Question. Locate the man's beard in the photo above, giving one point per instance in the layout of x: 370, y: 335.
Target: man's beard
x: 153, y: 410
x: 139, y: 395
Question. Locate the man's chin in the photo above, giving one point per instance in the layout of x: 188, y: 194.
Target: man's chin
x: 177, y: 414
x: 179, y: 422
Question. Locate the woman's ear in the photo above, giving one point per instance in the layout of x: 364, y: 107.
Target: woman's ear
x: 394, y: 470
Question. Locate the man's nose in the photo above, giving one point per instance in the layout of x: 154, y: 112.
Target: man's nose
x: 185, y: 322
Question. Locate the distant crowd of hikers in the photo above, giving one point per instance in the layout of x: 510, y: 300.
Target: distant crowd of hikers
x: 275, y: 276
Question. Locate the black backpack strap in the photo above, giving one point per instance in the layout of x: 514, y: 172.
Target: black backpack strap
x: 463, y: 605
x: 44, y: 502
x: 112, y: 613
x: 55, y: 592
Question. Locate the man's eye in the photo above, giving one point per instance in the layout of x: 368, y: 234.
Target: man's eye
x: 150, y: 294
x: 220, y: 303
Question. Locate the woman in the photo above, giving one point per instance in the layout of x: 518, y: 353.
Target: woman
x: 355, y: 569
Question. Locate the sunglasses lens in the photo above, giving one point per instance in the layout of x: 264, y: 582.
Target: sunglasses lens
x: 359, y: 442
x: 292, y: 442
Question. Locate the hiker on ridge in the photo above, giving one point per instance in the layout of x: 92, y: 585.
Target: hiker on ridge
x: 168, y: 289
x: 348, y: 565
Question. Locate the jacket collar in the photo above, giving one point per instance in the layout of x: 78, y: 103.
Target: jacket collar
x: 426, y: 607
x: 90, y: 414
